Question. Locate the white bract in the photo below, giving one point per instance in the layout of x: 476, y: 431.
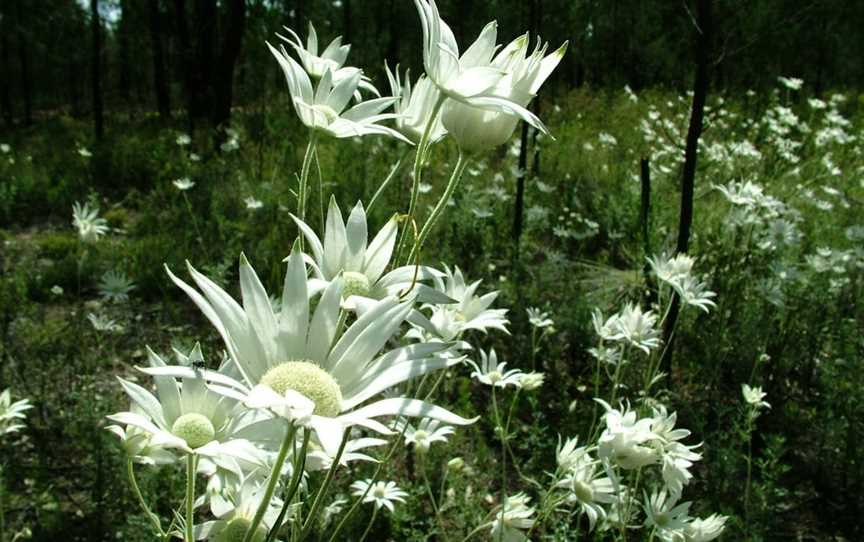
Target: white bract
x: 416, y: 106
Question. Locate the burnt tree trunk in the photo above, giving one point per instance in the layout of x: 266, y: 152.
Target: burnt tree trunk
x: 5, y: 71
x: 160, y: 81
x: 24, y: 61
x: 704, y: 33
x: 96, y: 69
x: 235, y: 24
x: 123, y: 45
x: 519, y: 204
x: 181, y: 27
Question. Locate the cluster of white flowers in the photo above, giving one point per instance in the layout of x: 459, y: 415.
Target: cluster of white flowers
x: 11, y: 414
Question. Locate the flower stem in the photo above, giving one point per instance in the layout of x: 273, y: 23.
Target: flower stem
x: 369, y: 527
x: 130, y: 471
x: 304, y: 176
x: 275, y: 474
x: 190, y: 497
x: 386, y: 183
x: 502, y: 434
x: 461, y: 164
x: 322, y: 491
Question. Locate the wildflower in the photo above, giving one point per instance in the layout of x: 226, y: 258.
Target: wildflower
x: 324, y: 110
x: 538, y: 318
x: 232, y: 143
x: 319, y: 459
x: 584, y: 479
x: 671, y: 270
x: 294, y: 353
x: 513, y: 517
x: 704, y: 530
x: 332, y: 510
x: 184, y: 183
x: 141, y: 446
x: 792, y: 83
x: 239, y: 511
x: 531, y: 381
x: 100, y: 322
x: 380, y: 493
x: 696, y: 293
x: 567, y: 454
x: 194, y: 157
x: 495, y: 374
x: 86, y: 219
x: 253, y: 204
x: 626, y: 440
x: 115, y: 286
x: 754, y: 396
x: 84, y: 152
x: 5, y: 148
x: 456, y: 464
x: 11, y: 413
x: 183, y: 140
x: 415, y: 106
x: 57, y: 290
x: 427, y: 432
x: 636, y: 327
x: 668, y: 519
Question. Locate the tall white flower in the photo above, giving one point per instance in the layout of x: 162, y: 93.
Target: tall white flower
x: 88, y: 223
x: 754, y: 396
x: 324, y: 108
x: 513, y: 517
x: 382, y: 494
x: 427, y: 432
x: 495, y: 374
x: 11, y: 413
x: 296, y: 352
x: 538, y: 318
x: 416, y: 106
x: 637, y: 327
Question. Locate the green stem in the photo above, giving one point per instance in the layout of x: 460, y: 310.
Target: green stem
x: 428, y: 485
x: 130, y: 471
x: 386, y: 183
x: 475, y: 531
x: 371, y: 521
x: 322, y: 491
x: 2, y: 508
x: 304, y: 176
x: 419, y: 159
x: 194, y: 223
x: 320, y: 188
x: 502, y: 434
x: 190, y: 498
x: 275, y: 474
x: 461, y: 164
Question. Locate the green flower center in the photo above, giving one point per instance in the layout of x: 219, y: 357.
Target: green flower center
x: 583, y: 491
x: 354, y: 283
x: 309, y: 380
x: 236, y: 531
x: 196, y: 429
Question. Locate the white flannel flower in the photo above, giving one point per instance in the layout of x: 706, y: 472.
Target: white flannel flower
x: 538, y: 318
x: 235, y: 516
x: 531, y: 381
x: 11, y: 413
x: 347, y: 252
x: 792, y: 83
x: 668, y: 519
x: 588, y: 486
x: 754, y: 396
x: 115, y: 286
x: 427, y: 432
x: 101, y: 322
x: 492, y: 373
x: 676, y: 457
x: 183, y: 184
x: 671, y: 269
x: 626, y: 441
x: 183, y: 140
x: 381, y: 493
x: 704, y: 530
x: 85, y: 152
x: 5, y: 148
x: 415, y: 106
x: 324, y: 108
x: 88, y: 223
x: 695, y: 292
x: 293, y: 353
x: 568, y: 454
x: 512, y: 518
x: 253, y: 204
x: 318, y: 459
x: 606, y: 328
x: 636, y: 327
x: 141, y: 446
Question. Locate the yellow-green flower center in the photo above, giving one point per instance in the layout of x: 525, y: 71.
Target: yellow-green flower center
x: 354, y: 283
x: 196, y: 429
x: 584, y: 492
x: 309, y: 380
x: 236, y: 531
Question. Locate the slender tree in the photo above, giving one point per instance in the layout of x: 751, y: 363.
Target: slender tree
x: 96, y: 69
x: 160, y: 81
x: 24, y: 61
x: 5, y: 69
x: 234, y: 26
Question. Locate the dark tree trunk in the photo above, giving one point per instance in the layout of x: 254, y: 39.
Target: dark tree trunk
x: 181, y: 25
x: 5, y: 71
x: 704, y: 34
x: 123, y: 47
x: 645, y: 225
x: 395, y: 32
x: 235, y: 23
x: 96, y: 68
x: 201, y: 98
x: 160, y: 82
x: 24, y: 60
x: 346, y: 21
x: 519, y: 205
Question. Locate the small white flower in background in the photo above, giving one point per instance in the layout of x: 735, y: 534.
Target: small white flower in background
x: 792, y: 83
x: 568, y: 454
x: 84, y: 152
x: 704, y: 530
x: 424, y: 188
x: 531, y: 381
x: 427, y: 432
x: 754, y: 396
x: 456, y: 464
x: 183, y: 140
x: 332, y: 510
x: 381, y: 493
x: 115, y: 286
x: 672, y: 269
x: 232, y: 143
x: 194, y: 157
x: 142, y: 447
x: 184, y: 183
x: 676, y: 458
x: 492, y: 373
x: 604, y: 354
x: 636, y: 327
x: 513, y: 517
x: 605, y: 328
x: 415, y: 106
x: 253, y: 204
x: 318, y: 459
x: 57, y: 290
x: 695, y: 293
x: 668, y: 519
x: 239, y: 509
x: 100, y: 322
x: 5, y: 148
x: 816, y: 103
x: 88, y: 223
x: 11, y: 413
x: 538, y: 318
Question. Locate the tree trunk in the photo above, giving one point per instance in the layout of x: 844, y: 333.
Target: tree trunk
x: 694, y: 132
x: 181, y: 23
x: 346, y: 21
x: 5, y: 71
x: 395, y: 32
x: 24, y: 60
x: 96, y: 68
x: 160, y: 82
x: 235, y: 23
x: 123, y: 46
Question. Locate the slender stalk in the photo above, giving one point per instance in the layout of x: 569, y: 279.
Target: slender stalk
x: 190, y: 498
x: 271, y: 484
x: 419, y: 159
x: 475, y: 531
x: 194, y: 223
x: 502, y: 434
x: 369, y: 527
x: 387, y: 181
x: 322, y: 491
x: 296, y: 477
x: 461, y: 164
x: 304, y: 175
x: 130, y: 471
x: 2, y: 508
x: 435, y: 507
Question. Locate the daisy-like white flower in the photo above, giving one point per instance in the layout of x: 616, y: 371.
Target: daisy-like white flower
x: 324, y: 108
x: 704, y: 530
x: 346, y: 251
x: 115, y: 286
x: 664, y: 514
x: 84, y: 152
x: 512, y: 518
x: 415, y: 106
x: 538, y: 318
x: 186, y: 415
x: 754, y: 396
x: 449, y: 322
x: 11, y: 413
x: 252, y: 203
x: 637, y: 327
x: 427, y: 432
x: 183, y: 184
x: 695, y: 292
x: 235, y: 519
x: 101, y: 322
x: 531, y: 381
x: 676, y: 458
x: 568, y: 454
x: 380, y: 493
x: 332, y: 58
x: 88, y: 223
x: 480, y: 127
x: 626, y: 441
x: 183, y: 140
x: 605, y: 328
x: 588, y: 487
x: 294, y: 353
x: 792, y: 83
x: 141, y: 446
x: 671, y: 269
x: 492, y: 373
